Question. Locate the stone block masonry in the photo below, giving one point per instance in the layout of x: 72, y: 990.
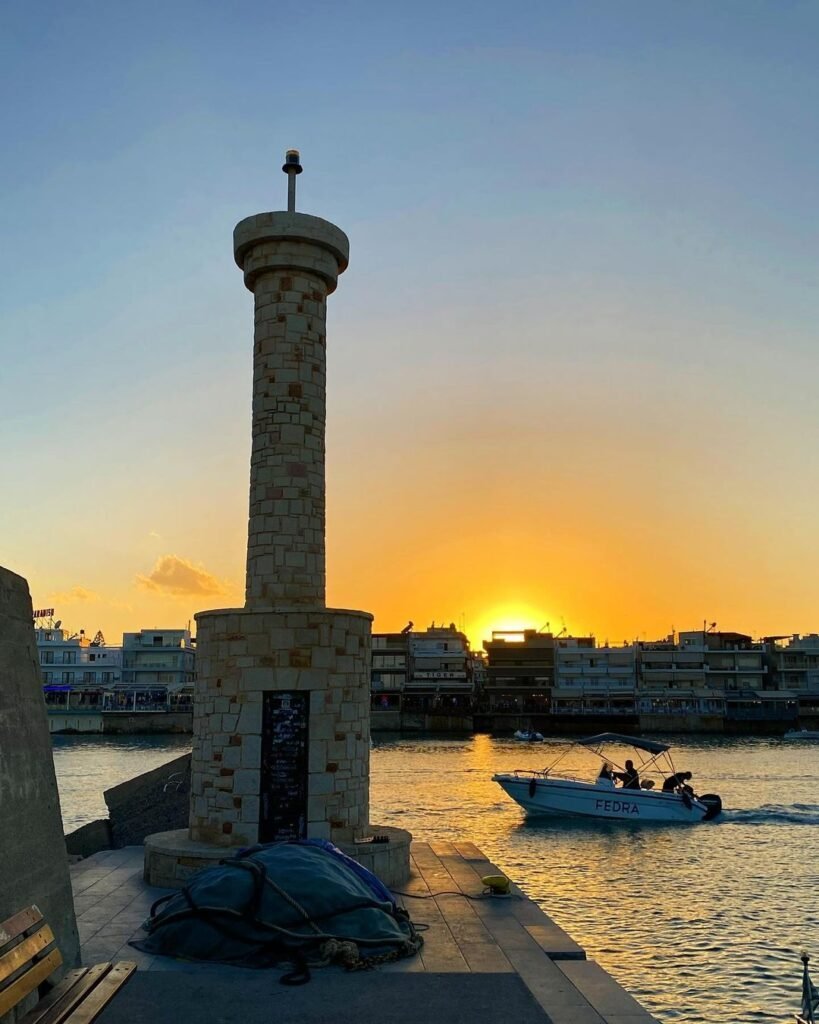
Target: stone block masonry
x: 291, y: 263
x: 248, y: 652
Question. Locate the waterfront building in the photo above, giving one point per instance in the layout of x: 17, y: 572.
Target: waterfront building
x: 389, y: 670
x: 75, y: 671
x: 708, y: 673
x: 158, y: 671
x: 152, y: 670
x: 519, y: 671
x: 478, y: 669
x: 439, y: 676
x: 671, y: 678
x: 793, y: 664
x: 423, y: 679
x: 592, y: 680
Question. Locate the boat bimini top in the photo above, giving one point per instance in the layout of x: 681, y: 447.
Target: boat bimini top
x: 651, y: 746
x: 656, y: 755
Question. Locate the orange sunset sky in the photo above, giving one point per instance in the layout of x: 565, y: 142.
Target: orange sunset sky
x: 572, y: 367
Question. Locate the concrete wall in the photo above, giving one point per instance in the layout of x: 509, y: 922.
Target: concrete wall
x: 71, y: 722
x: 89, y: 839
x: 157, y: 801
x: 385, y: 721
x: 689, y: 723
x: 32, y: 848
x: 145, y: 722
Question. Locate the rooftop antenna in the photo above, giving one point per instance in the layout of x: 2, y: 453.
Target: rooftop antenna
x: 291, y: 168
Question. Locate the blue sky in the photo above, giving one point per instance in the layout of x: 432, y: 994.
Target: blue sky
x: 582, y: 235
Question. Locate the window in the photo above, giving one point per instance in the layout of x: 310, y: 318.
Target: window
x: 69, y: 657
x: 107, y: 677
x: 388, y: 661
x: 67, y: 677
x: 47, y: 657
x: 157, y: 641
x: 47, y: 677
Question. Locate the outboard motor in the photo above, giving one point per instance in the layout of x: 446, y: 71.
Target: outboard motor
x: 713, y: 803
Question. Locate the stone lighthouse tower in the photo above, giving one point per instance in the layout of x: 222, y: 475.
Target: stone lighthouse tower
x: 281, y: 741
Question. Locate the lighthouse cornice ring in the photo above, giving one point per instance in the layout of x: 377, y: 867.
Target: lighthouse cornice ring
x: 294, y: 234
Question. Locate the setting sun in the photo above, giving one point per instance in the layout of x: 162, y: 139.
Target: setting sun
x: 506, y: 618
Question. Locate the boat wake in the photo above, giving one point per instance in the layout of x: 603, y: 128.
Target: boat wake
x: 773, y: 814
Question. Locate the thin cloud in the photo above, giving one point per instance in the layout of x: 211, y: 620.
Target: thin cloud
x: 178, y: 576
x: 155, y: 535
x: 75, y: 595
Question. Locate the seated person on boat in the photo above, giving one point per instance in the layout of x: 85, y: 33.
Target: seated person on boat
x: 630, y: 777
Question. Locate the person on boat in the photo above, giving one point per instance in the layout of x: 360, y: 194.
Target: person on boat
x: 606, y: 776
x: 677, y: 781
x: 630, y: 777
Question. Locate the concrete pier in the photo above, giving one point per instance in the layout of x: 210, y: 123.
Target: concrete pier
x: 492, y: 960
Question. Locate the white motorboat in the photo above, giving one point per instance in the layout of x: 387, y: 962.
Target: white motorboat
x: 528, y: 737
x: 801, y: 734
x: 549, y: 793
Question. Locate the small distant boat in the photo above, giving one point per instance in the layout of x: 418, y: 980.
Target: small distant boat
x: 529, y: 737
x: 548, y: 793
x: 801, y: 734
x: 810, y: 996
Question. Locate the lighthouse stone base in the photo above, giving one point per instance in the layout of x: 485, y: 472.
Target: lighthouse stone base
x: 172, y: 858
x: 309, y: 749
x: 281, y: 746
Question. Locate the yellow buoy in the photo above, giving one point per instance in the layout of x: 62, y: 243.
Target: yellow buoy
x: 498, y: 885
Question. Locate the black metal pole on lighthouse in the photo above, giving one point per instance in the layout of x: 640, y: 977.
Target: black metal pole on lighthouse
x: 291, y: 168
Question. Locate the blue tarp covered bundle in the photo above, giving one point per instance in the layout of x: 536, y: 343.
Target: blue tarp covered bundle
x: 283, y: 902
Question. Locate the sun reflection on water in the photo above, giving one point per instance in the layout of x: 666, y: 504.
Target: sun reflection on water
x: 702, y: 923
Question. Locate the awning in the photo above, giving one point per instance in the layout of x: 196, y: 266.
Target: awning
x: 140, y: 687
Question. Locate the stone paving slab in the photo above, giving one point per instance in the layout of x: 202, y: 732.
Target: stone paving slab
x: 181, y: 997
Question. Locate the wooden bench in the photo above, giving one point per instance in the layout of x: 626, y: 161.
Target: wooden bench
x: 29, y: 956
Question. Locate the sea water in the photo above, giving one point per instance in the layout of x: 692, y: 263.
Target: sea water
x: 701, y: 923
